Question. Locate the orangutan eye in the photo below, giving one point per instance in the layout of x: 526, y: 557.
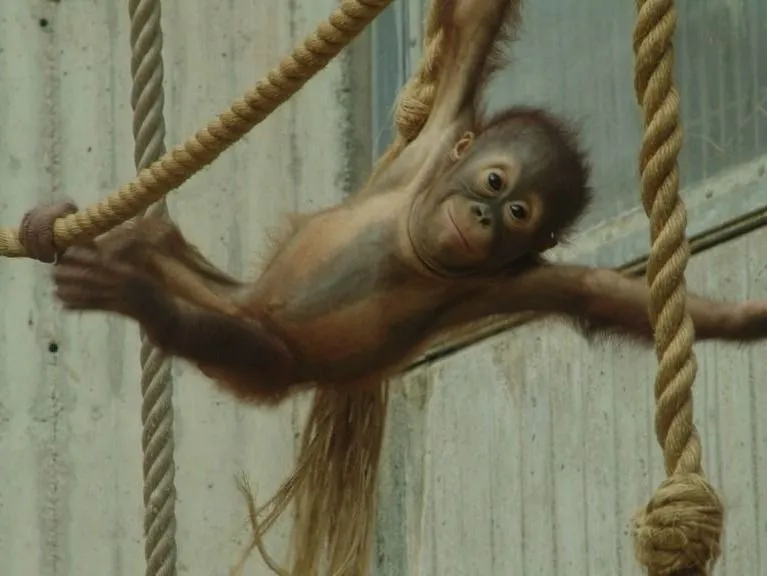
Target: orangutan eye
x: 495, y: 181
x: 519, y: 210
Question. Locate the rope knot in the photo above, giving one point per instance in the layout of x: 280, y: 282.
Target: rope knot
x: 681, y: 527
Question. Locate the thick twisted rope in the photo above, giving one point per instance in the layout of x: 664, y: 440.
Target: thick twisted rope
x: 679, y: 531
x: 416, y: 98
x: 157, y: 442
x: 183, y: 161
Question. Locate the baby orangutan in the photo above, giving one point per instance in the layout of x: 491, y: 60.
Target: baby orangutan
x: 448, y: 232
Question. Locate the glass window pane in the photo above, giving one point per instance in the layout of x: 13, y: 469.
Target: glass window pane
x: 576, y: 57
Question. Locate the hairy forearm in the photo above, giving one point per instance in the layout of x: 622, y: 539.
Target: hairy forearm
x: 618, y: 302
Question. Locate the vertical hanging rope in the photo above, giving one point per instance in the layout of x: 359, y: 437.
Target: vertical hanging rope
x: 678, y: 533
x: 147, y: 100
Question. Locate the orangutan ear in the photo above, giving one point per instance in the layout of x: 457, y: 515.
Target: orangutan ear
x: 461, y: 146
x: 549, y: 242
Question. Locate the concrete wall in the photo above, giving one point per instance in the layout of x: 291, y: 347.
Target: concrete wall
x: 70, y: 428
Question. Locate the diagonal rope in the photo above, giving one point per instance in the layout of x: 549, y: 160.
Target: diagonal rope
x: 185, y: 160
x: 157, y: 442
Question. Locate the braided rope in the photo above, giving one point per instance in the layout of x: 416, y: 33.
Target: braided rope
x: 679, y: 530
x: 416, y: 98
x: 157, y: 442
x: 183, y: 161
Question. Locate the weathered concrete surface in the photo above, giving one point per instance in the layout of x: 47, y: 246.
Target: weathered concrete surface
x: 70, y: 432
